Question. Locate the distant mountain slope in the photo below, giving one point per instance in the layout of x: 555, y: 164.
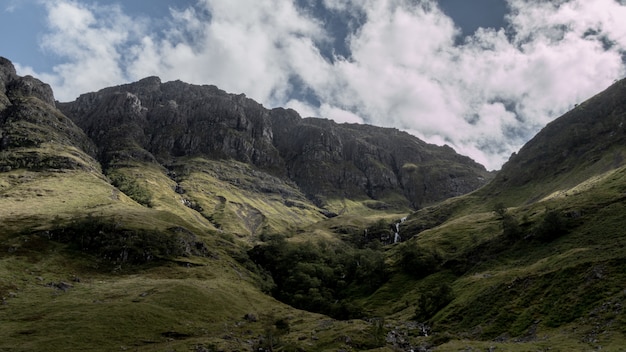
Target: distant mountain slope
x: 159, y: 122
x: 588, y: 140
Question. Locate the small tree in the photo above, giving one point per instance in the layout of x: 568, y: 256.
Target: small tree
x: 417, y: 261
x: 510, y: 226
x: 551, y: 227
x: 273, y: 330
x: 500, y: 209
x: 432, y: 300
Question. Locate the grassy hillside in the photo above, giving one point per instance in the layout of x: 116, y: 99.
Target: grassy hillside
x: 197, y: 254
x: 513, y: 292
x: 547, y: 274
x: 60, y: 295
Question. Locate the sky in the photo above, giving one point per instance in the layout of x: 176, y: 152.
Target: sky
x: 482, y: 76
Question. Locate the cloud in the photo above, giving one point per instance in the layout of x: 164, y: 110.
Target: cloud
x: 11, y: 6
x: 245, y: 46
x: 489, y: 95
x: 405, y: 63
x: 91, y: 40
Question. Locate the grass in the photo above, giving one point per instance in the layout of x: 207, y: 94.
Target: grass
x: 530, y: 294
x: 564, y: 291
x: 240, y: 200
x: 527, y: 294
x: 170, y: 304
x: 151, y: 309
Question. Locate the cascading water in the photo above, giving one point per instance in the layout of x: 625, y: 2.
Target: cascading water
x: 396, y: 236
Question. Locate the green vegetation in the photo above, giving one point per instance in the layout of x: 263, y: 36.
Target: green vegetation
x: 129, y: 185
x: 432, y: 300
x: 464, y: 275
x: 115, y: 244
x: 321, y: 277
x: 552, y: 269
x: 197, y: 254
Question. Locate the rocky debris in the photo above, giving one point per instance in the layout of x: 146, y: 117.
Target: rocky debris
x: 201, y: 348
x: 251, y: 317
x: 62, y: 285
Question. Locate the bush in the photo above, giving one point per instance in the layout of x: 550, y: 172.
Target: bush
x: 500, y: 210
x: 431, y: 301
x: 410, y: 167
x: 551, y: 227
x: 131, y: 188
x: 511, y: 229
x: 418, y: 262
x: 119, y: 245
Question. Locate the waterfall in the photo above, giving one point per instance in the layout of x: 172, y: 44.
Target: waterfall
x: 396, y: 236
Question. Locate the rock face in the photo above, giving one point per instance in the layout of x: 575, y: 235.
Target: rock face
x: 159, y: 122
x: 29, y: 119
x: 361, y: 160
x: 149, y: 120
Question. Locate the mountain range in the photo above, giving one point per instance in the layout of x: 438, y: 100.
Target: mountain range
x: 170, y: 216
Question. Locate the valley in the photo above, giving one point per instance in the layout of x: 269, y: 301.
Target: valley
x: 174, y: 217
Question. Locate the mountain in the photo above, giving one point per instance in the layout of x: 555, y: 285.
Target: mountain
x: 536, y: 257
x: 34, y: 134
x: 587, y: 141
x: 167, y: 216
x: 161, y: 189
x: 160, y: 123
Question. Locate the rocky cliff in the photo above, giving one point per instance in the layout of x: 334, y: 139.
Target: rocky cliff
x: 159, y: 122
x: 33, y: 133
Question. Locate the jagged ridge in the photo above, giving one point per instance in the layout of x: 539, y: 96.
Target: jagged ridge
x: 159, y: 122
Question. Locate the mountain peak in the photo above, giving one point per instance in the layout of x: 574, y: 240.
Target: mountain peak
x: 176, y: 119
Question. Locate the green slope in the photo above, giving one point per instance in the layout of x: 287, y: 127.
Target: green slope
x: 186, y: 255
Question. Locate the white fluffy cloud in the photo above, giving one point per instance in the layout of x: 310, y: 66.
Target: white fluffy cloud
x: 485, y: 96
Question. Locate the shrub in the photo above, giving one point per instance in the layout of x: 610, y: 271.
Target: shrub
x: 131, y: 188
x: 510, y: 228
x: 551, y: 227
x: 410, y: 167
x: 120, y: 245
x: 418, y: 262
x: 320, y: 277
x: 432, y: 300
x: 500, y: 209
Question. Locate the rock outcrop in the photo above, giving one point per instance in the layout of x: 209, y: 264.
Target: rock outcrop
x: 158, y: 122
x: 29, y: 119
